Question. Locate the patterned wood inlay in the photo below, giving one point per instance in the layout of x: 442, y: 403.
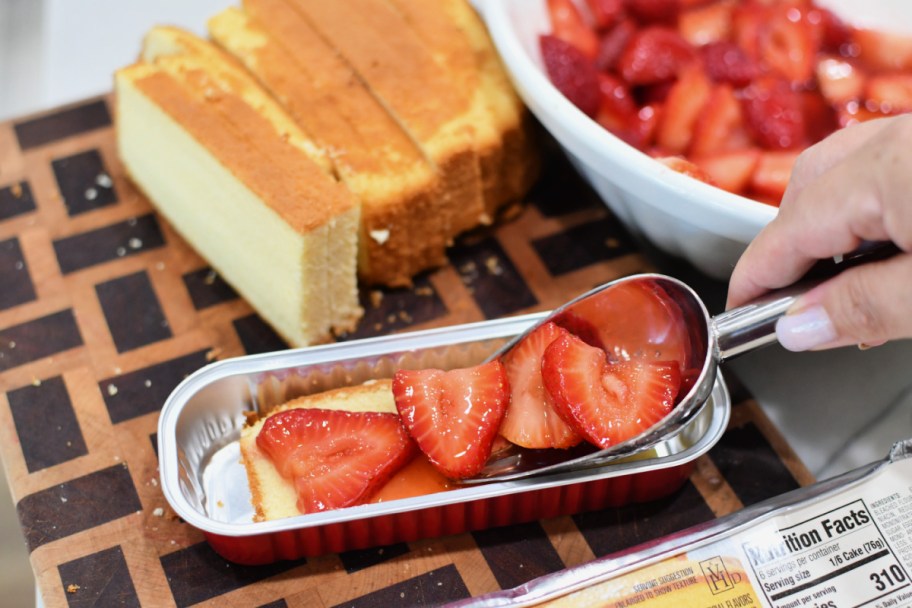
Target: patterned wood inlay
x: 105, y: 309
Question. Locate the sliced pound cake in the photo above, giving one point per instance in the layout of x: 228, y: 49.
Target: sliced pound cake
x: 402, y: 202
x: 242, y: 183
x: 459, y: 42
x: 274, y: 496
x: 418, y: 91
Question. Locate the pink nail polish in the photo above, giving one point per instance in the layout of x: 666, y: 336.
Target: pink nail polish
x: 805, y: 329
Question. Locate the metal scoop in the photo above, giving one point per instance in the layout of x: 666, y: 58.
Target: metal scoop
x: 710, y: 341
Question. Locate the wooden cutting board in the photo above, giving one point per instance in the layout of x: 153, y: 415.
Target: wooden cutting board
x: 104, y: 309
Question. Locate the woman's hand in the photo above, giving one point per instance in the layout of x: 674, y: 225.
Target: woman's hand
x: 854, y: 186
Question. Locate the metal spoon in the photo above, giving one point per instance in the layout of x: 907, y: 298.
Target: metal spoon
x: 712, y: 340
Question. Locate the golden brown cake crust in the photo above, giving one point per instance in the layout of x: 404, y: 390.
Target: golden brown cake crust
x: 398, y: 187
x: 400, y: 71
x: 281, y: 175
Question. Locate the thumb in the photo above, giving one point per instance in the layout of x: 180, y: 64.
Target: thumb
x: 868, y: 305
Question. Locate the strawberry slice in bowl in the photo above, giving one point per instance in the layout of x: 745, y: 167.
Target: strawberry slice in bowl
x: 453, y: 415
x: 607, y: 403
x: 335, y: 458
x: 531, y: 420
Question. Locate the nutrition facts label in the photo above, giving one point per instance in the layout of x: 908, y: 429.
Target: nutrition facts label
x: 823, y: 561
x: 850, y: 548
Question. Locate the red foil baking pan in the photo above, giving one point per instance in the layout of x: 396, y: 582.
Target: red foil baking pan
x: 205, y: 483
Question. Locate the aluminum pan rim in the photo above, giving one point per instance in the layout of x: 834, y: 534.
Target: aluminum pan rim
x: 170, y: 413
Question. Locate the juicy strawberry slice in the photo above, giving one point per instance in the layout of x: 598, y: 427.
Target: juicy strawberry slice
x: 335, y: 458
x: 789, y: 43
x: 892, y: 93
x: 819, y: 116
x: 607, y: 403
x: 839, y: 80
x: 613, y: 43
x: 686, y: 100
x: 654, y: 11
x: 773, y: 113
x: 727, y: 62
x: 688, y: 168
x: 619, y: 113
x: 572, y: 73
x: 453, y: 415
x: 884, y: 50
x: 772, y: 173
x: 703, y: 25
x: 568, y: 24
x: 530, y: 420
x: 605, y: 12
x: 836, y: 34
x: 634, y: 320
x: 654, y: 54
x: 854, y: 112
x: 748, y: 21
x: 731, y: 171
x: 720, y: 125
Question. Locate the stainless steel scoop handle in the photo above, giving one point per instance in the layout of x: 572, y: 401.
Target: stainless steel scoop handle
x: 753, y: 325
x: 731, y: 333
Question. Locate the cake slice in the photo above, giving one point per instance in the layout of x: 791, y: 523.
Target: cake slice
x: 520, y: 158
x: 274, y: 496
x: 399, y: 188
x: 418, y: 91
x: 242, y: 183
x: 459, y: 41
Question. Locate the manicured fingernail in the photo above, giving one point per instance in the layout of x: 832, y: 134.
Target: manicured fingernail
x: 805, y: 329
x: 870, y: 345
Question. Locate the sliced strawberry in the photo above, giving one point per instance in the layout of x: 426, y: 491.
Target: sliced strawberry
x: 632, y: 320
x: 654, y: 54
x: 727, y: 62
x: 719, y: 127
x: 854, y: 112
x: 686, y: 100
x: 748, y: 21
x: 656, y: 94
x: 530, y: 420
x: 607, y: 403
x: 572, y: 73
x: 706, y: 24
x: 772, y: 173
x: 605, y: 13
x: 613, y: 43
x: 836, y: 34
x: 731, y: 171
x: 819, y: 116
x: 789, y: 42
x: 335, y: 458
x: 568, y: 24
x: 885, y: 51
x: 773, y: 113
x: 619, y: 113
x: 654, y: 11
x: 838, y: 79
x: 453, y: 415
x: 892, y: 93
x: 686, y: 167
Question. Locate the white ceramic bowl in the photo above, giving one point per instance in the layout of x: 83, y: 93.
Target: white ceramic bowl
x: 680, y: 215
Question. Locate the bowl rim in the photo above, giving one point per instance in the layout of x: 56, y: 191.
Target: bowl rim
x: 591, y: 141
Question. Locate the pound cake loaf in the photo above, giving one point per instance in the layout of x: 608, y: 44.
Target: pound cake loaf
x: 459, y: 42
x: 402, y: 201
x: 400, y: 70
x: 237, y: 177
x: 312, y: 146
